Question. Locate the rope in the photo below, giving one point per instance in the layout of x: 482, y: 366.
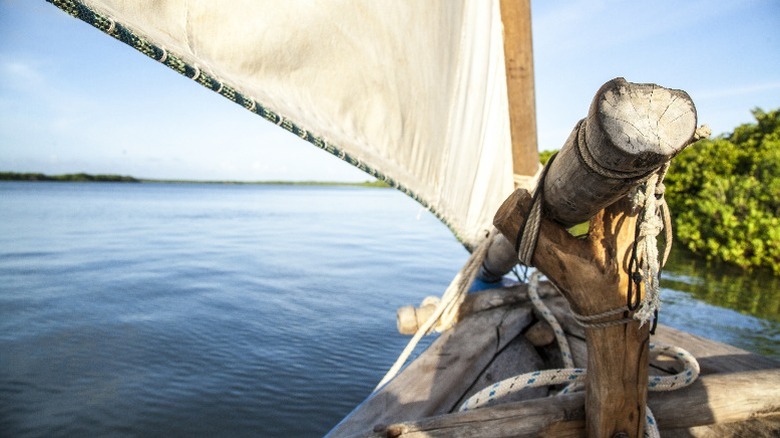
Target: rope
x: 574, y: 378
x: 560, y: 336
x: 525, y: 243
x: 595, y: 166
x: 536, y: 379
x: 446, y: 312
x: 571, y: 376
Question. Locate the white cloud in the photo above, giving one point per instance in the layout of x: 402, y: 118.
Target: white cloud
x: 21, y: 75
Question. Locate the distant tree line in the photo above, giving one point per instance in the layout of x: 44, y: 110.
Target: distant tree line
x: 71, y: 177
x: 724, y: 194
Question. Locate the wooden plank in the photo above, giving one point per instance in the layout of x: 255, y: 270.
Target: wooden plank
x: 713, y: 357
x: 518, y: 357
x: 434, y: 382
x: 519, y: 65
x: 714, y: 399
x: 764, y: 427
x: 492, y: 298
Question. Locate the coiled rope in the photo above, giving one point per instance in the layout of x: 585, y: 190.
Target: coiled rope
x: 575, y: 377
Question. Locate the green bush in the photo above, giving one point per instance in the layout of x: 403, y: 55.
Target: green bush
x: 724, y: 194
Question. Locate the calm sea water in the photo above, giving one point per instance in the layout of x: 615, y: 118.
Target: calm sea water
x: 202, y: 310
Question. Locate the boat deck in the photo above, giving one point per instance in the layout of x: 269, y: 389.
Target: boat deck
x: 499, y: 336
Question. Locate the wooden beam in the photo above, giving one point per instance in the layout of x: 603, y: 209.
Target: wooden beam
x: 631, y: 130
x: 592, y: 275
x: 519, y: 64
x: 715, y: 399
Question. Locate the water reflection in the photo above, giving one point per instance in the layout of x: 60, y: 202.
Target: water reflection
x: 754, y: 293
x: 722, y: 303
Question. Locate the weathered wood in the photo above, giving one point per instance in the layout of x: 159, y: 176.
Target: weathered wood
x: 519, y: 64
x: 434, y: 382
x: 662, y: 365
x: 720, y: 398
x: 501, y: 257
x: 540, y: 334
x: 518, y: 357
x: 713, y: 357
x: 492, y: 298
x: 618, y: 356
x: 764, y: 427
x: 408, y: 319
x: 630, y: 131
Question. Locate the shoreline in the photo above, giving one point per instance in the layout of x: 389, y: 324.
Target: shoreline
x: 85, y: 177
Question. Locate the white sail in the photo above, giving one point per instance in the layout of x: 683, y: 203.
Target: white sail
x: 413, y: 92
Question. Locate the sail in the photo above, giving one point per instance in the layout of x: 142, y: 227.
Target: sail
x: 412, y: 92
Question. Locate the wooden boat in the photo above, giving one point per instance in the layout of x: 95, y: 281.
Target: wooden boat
x: 500, y: 335
x: 436, y: 99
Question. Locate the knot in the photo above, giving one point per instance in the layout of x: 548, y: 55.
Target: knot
x: 660, y: 189
x: 651, y: 226
x: 702, y: 131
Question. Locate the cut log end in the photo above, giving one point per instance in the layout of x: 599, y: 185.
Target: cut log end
x: 642, y: 120
x: 631, y: 131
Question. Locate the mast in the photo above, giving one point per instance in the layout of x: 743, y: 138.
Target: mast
x: 519, y: 64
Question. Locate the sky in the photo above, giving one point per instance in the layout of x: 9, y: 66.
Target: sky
x: 74, y: 100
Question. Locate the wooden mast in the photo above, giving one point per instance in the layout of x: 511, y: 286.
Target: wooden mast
x: 519, y: 64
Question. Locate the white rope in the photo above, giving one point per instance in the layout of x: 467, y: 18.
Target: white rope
x: 560, y: 336
x: 446, y: 312
x: 574, y: 378
x: 686, y: 377
x: 530, y: 236
x: 654, y: 218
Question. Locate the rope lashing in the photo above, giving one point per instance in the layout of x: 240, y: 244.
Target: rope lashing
x: 525, y: 242
x: 643, y: 266
x: 649, y: 200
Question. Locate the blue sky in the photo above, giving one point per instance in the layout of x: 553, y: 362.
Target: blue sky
x: 73, y: 100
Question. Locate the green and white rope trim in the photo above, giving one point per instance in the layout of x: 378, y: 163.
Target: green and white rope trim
x: 128, y: 36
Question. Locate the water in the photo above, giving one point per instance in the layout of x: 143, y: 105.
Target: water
x: 201, y: 310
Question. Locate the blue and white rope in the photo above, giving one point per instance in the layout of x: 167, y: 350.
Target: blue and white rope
x: 575, y: 377
x: 537, y: 379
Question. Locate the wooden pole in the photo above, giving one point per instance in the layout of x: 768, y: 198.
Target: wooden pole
x: 630, y: 132
x: 519, y: 64
x: 592, y: 274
